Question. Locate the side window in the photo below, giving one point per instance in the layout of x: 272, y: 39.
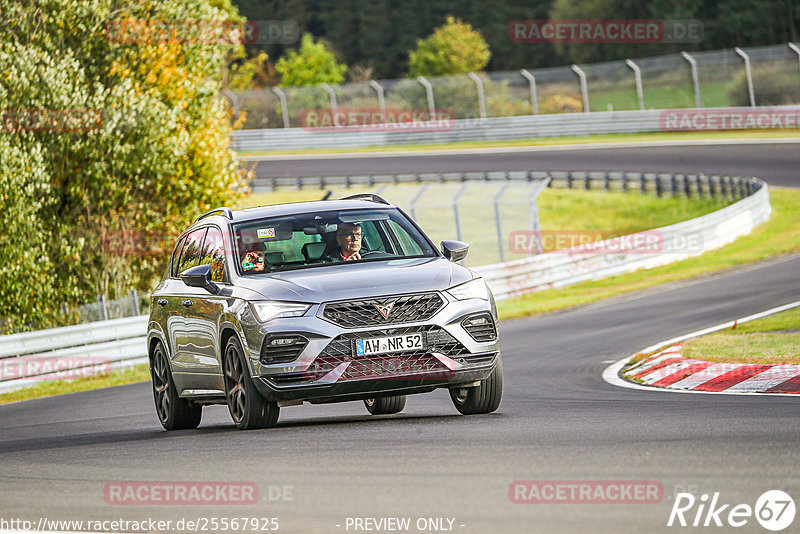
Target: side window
x: 176, y: 257
x: 190, y: 255
x: 372, y: 239
x: 409, y: 245
x: 214, y: 254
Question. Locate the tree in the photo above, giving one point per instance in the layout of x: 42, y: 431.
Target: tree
x: 313, y: 64
x: 113, y: 139
x: 454, y: 48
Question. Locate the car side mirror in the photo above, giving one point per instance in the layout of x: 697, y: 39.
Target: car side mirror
x: 200, y: 276
x: 454, y: 250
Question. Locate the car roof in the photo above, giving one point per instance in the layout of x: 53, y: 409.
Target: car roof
x: 292, y: 208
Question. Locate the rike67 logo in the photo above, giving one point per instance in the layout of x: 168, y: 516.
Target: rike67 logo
x: 774, y: 510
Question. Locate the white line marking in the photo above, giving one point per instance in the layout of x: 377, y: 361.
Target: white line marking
x: 611, y: 373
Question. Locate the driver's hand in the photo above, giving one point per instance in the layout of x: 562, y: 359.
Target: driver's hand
x: 355, y: 256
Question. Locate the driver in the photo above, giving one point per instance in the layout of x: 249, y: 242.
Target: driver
x: 348, y: 239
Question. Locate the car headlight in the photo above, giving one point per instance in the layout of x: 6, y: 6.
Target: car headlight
x: 474, y: 289
x: 272, y: 309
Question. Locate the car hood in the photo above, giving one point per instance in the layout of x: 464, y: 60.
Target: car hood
x: 358, y: 280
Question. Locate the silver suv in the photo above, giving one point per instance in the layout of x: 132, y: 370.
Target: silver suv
x: 326, y: 301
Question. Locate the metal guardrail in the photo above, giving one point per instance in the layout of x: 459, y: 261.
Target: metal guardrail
x: 80, y: 350
x: 27, y: 358
x: 667, y: 244
x: 504, y: 128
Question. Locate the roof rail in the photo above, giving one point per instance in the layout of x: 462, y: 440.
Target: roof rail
x: 372, y: 197
x: 217, y: 211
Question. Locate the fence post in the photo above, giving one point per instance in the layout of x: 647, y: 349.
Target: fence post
x: 796, y: 50
x: 456, y: 212
x: 284, y: 109
x: 234, y: 100
x: 584, y: 87
x: 637, y: 74
x: 381, y: 100
x: 429, y: 93
x: 135, y: 302
x: 101, y: 305
x: 481, y: 97
x: 749, y: 74
x: 695, y: 80
x: 332, y: 94
x: 498, y: 222
x: 532, y: 85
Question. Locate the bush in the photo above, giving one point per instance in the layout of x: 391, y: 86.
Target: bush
x: 313, y: 64
x: 454, y: 48
x: 141, y: 149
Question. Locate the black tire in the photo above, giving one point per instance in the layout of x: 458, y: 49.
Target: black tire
x: 248, y: 409
x: 385, y: 405
x: 174, y: 412
x: 484, y: 398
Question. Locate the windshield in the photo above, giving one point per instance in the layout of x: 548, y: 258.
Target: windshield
x: 327, y: 238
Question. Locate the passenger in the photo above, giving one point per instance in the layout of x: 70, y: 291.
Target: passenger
x: 253, y: 261
x: 348, y: 239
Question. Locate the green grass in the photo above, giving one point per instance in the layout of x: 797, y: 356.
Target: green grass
x: 773, y: 339
x: 575, y: 140
x: 139, y: 373
x: 712, y: 94
x: 780, y: 235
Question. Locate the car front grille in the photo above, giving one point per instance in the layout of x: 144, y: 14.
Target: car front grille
x: 366, y: 312
x: 339, y: 350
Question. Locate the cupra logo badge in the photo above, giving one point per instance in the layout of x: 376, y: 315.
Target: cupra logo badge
x: 385, y: 309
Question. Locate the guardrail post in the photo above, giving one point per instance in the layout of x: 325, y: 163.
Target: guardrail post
x: 749, y: 73
x: 712, y: 187
x: 742, y: 190
x: 796, y: 50
x: 699, y: 183
x: 584, y: 87
x: 624, y: 180
x: 234, y: 100
x: 673, y: 181
x: 642, y: 184
x: 332, y: 94
x: 659, y: 186
x: 481, y: 97
x: 284, y: 108
x: 429, y: 93
x: 723, y: 188
x: 686, y: 187
x: 587, y: 181
x: 695, y: 79
x: 498, y: 222
x: 569, y: 179
x: 637, y: 74
x: 532, y: 85
x: 381, y: 100
x: 606, y: 182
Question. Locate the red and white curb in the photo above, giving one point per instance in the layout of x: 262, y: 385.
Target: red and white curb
x: 667, y: 370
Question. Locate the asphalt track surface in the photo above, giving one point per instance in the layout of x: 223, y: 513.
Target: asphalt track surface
x: 558, y: 421
x: 776, y: 163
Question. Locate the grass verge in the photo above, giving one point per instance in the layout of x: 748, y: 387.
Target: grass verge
x: 780, y: 235
x: 773, y: 339
x: 138, y: 373
x: 577, y: 140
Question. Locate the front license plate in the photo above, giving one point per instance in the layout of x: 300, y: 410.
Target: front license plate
x: 388, y: 345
